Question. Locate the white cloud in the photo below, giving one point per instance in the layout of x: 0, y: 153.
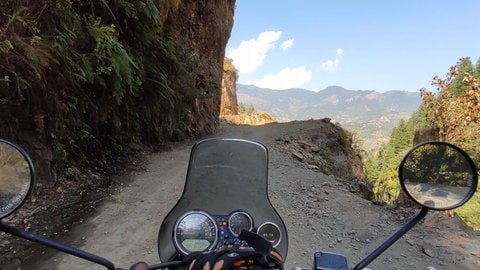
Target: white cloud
x: 285, y: 79
x: 250, y: 54
x: 332, y: 65
x: 287, y: 44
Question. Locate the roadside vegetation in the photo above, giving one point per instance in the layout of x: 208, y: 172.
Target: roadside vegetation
x: 454, y: 112
x: 88, y: 79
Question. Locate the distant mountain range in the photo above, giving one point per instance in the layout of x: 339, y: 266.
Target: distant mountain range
x: 371, y: 114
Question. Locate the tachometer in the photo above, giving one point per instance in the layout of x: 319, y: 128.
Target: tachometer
x: 195, y: 231
x: 239, y: 221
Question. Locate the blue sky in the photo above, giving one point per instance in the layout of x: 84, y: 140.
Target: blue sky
x: 360, y: 45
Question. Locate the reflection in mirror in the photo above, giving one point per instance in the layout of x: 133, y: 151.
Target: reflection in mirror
x: 16, y: 175
x: 438, y: 175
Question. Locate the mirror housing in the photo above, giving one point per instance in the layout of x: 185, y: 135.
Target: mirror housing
x: 438, y: 175
x: 16, y: 177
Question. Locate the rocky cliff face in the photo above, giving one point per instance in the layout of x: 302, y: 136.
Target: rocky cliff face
x: 122, y: 74
x: 229, y: 104
x: 202, y: 28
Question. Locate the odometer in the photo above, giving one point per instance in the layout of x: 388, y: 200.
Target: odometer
x: 271, y: 232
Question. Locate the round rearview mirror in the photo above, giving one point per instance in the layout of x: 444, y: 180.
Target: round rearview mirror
x: 438, y: 175
x: 16, y: 177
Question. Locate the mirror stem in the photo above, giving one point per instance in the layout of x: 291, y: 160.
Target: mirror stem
x: 56, y: 245
x: 392, y: 239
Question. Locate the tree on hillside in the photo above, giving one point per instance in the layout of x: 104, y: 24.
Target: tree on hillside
x: 455, y: 108
x: 386, y: 187
x: 458, y: 87
x: 250, y: 109
x: 458, y: 119
x: 477, y: 69
x: 243, y: 109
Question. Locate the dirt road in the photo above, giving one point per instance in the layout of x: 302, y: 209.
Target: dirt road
x: 320, y: 214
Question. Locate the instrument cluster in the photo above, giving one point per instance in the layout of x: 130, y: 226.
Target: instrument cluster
x: 200, y: 231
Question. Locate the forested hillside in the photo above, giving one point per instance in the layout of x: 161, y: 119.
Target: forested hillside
x: 81, y: 81
x: 452, y: 113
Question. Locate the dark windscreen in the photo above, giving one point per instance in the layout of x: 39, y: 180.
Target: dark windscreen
x: 224, y: 175
x: 227, y: 175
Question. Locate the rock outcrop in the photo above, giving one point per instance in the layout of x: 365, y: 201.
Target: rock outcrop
x: 229, y: 103
x: 202, y: 28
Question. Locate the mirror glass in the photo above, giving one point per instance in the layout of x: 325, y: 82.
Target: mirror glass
x: 438, y: 175
x: 16, y: 177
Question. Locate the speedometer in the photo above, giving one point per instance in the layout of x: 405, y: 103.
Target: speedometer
x: 195, y: 231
